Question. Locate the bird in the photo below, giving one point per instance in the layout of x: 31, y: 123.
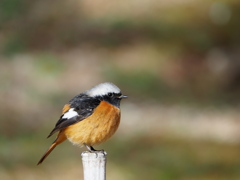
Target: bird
x: 90, y: 118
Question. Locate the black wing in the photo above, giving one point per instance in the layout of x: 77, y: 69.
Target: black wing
x: 82, y: 105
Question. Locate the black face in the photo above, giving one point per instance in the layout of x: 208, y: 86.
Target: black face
x: 112, y: 98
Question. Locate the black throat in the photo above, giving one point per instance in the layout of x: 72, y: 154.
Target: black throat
x: 113, y: 99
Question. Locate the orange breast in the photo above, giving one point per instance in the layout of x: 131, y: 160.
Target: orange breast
x: 97, y: 128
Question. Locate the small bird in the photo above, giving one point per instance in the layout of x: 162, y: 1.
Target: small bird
x: 89, y: 118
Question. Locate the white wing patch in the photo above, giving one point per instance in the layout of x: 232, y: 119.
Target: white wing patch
x: 70, y: 114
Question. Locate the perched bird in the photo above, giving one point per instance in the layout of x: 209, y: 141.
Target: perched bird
x: 89, y: 118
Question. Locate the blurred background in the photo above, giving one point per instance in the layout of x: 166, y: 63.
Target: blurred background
x: 177, y: 60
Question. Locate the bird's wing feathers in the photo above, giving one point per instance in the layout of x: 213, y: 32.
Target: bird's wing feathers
x: 66, y: 107
x: 77, y: 110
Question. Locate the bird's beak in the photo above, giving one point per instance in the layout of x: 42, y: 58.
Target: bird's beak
x: 122, y: 96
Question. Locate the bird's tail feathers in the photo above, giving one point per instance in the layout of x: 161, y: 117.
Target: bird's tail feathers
x: 47, y: 152
x: 61, y: 137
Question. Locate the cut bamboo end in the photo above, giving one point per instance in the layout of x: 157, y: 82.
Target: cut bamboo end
x: 94, y: 165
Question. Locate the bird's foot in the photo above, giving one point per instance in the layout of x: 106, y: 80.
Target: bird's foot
x: 92, y: 150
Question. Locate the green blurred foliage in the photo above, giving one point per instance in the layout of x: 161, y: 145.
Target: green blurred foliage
x: 48, y: 64
x: 56, y: 27
x: 137, y: 158
x: 190, y: 33
x: 11, y: 9
x: 176, y: 159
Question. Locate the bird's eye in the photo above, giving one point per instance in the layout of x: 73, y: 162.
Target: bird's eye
x: 110, y: 94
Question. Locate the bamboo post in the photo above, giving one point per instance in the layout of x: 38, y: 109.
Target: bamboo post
x: 94, y: 165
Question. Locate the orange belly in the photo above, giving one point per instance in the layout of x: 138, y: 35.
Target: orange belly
x: 96, y: 128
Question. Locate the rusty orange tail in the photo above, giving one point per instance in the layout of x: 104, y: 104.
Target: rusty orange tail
x: 47, y: 153
x: 60, y: 138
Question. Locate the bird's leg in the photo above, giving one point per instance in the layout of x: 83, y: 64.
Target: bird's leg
x: 92, y: 150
